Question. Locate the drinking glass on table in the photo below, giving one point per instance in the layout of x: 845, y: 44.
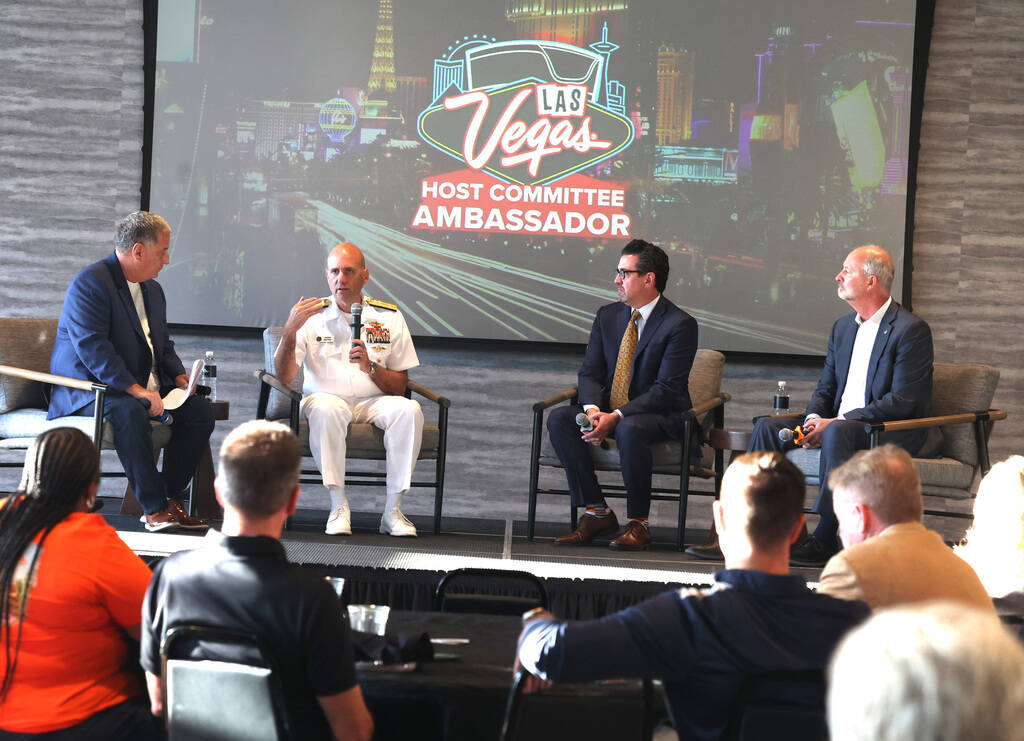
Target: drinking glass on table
x: 369, y: 618
x: 337, y: 584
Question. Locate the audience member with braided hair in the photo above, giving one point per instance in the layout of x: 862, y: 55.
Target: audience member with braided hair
x: 70, y: 595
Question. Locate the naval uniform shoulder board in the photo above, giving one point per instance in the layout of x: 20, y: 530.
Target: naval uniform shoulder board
x: 382, y: 304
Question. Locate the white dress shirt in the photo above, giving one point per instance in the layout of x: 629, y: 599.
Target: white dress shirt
x: 855, y: 393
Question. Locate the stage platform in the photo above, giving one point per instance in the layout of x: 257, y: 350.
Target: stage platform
x: 582, y: 582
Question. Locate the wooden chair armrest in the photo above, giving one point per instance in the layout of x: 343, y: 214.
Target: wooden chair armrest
x: 788, y: 415
x: 31, y: 375
x: 557, y: 399
x: 428, y: 394
x: 708, y: 404
x: 897, y: 425
x: 275, y: 383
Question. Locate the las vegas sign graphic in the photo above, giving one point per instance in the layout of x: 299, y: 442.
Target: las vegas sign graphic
x: 530, y: 112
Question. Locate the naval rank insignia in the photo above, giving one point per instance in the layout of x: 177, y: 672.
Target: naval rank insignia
x: 382, y: 304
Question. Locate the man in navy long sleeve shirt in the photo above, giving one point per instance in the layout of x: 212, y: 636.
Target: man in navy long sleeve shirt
x: 704, y: 643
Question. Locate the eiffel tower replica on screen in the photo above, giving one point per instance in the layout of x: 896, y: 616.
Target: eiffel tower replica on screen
x: 382, y: 66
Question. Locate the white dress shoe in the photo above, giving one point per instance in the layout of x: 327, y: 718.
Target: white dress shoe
x: 393, y: 522
x: 340, y: 522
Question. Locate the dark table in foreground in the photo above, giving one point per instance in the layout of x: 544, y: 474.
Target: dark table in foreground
x: 464, y: 700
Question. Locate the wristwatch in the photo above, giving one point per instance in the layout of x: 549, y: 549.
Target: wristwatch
x: 373, y: 369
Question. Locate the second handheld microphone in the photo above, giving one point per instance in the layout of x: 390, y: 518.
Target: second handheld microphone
x: 796, y: 434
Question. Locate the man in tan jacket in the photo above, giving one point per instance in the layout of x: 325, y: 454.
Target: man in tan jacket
x: 890, y: 557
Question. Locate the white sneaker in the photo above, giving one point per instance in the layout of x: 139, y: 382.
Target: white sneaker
x: 393, y: 522
x: 340, y: 522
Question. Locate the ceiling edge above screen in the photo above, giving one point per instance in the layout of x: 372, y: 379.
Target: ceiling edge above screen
x: 756, y: 152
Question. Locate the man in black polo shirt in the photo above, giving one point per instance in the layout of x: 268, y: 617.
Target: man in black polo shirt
x: 240, y: 579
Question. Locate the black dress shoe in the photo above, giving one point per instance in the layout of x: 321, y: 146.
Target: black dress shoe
x: 812, y: 552
x: 708, y: 551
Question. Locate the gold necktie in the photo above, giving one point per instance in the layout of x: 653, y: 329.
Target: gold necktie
x: 624, y: 364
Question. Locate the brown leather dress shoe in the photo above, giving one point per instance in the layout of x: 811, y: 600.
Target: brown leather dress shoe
x: 636, y: 537
x: 183, y: 518
x: 589, y: 527
x: 709, y: 549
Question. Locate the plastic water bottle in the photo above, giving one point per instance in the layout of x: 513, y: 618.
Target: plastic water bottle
x: 780, y: 401
x: 210, y: 374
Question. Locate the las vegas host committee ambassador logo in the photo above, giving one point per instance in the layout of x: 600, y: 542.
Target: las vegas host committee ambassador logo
x: 525, y: 117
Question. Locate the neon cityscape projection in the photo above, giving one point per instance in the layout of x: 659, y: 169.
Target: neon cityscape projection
x: 490, y: 157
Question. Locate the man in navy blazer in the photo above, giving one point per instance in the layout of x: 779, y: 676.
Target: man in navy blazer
x: 878, y: 368
x: 113, y: 329
x: 658, y: 395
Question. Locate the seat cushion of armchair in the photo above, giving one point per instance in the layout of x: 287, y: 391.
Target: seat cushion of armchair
x: 943, y: 473
x: 19, y: 428
x: 367, y: 441
x: 24, y: 343
x: 666, y: 456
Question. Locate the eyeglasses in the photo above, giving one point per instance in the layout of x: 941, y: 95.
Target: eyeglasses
x: 620, y: 273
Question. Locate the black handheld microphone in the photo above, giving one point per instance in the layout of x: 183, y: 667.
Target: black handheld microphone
x: 357, y: 321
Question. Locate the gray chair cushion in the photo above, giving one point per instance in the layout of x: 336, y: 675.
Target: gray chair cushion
x: 958, y: 388
x: 706, y: 380
x: 807, y: 462
x: 944, y: 473
x: 18, y: 429
x: 367, y: 441
x: 25, y: 343
x: 279, y: 406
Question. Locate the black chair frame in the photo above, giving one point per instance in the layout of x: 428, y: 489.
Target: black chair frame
x: 510, y: 723
x: 764, y: 693
x: 179, y: 633
x: 442, y: 598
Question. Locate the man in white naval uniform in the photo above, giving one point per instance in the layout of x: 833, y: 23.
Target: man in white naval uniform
x: 359, y: 380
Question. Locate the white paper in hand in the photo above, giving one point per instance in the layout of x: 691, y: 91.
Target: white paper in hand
x: 176, y: 397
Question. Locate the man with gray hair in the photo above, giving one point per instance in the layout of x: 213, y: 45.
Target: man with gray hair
x: 878, y: 368
x: 113, y: 330
x: 890, y: 558
x: 241, y: 579
x: 932, y: 672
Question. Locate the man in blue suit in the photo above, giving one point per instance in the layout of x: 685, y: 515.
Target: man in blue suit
x: 878, y: 368
x: 634, y: 388
x: 113, y: 329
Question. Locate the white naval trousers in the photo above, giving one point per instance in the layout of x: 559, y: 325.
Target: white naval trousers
x: 329, y: 417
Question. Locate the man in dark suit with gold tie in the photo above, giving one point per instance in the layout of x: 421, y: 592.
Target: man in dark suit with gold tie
x: 633, y: 386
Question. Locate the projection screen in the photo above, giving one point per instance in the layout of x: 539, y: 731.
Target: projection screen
x: 491, y: 157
